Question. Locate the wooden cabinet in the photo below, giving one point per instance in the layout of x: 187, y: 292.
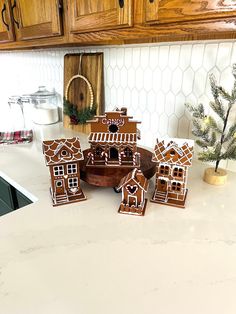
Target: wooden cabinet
x: 94, y: 15
x: 6, y: 27
x: 48, y: 23
x: 169, y: 11
x: 36, y: 19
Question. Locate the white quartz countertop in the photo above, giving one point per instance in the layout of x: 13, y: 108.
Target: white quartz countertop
x: 86, y: 258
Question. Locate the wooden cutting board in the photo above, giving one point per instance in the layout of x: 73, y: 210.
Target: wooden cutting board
x: 92, y: 68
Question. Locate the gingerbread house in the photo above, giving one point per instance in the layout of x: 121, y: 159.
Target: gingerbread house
x: 62, y: 157
x: 134, y: 186
x: 173, y: 158
x: 113, y: 140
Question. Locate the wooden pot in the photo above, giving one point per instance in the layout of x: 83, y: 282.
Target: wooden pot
x: 215, y: 178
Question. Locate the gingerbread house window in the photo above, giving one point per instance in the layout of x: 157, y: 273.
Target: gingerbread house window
x: 176, y: 186
x: 64, y: 153
x: 72, y: 168
x: 113, y: 128
x: 59, y: 184
x: 172, y: 152
x: 58, y: 170
x: 128, y: 152
x: 73, y: 182
x: 164, y: 169
x: 178, y: 172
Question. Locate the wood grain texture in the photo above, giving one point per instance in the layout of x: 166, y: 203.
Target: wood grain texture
x: 37, y: 19
x: 92, y: 69
x: 188, y: 10
x: 6, y: 26
x: 176, y: 21
x: 151, y: 11
x: 87, y: 15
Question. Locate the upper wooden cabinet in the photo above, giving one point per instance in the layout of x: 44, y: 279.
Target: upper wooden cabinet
x: 6, y: 27
x: 168, y: 11
x: 94, y: 15
x: 36, y: 19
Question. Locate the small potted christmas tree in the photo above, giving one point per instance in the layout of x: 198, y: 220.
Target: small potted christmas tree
x: 216, y: 135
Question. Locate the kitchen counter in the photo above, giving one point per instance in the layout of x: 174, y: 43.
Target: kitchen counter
x: 86, y: 258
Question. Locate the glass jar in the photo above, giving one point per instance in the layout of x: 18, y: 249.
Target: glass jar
x: 45, y: 109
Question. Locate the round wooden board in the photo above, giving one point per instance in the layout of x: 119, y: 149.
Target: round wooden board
x: 111, y: 176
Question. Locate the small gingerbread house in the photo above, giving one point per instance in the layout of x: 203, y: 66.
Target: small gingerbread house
x: 62, y: 157
x: 113, y: 140
x: 134, y: 186
x: 173, y: 158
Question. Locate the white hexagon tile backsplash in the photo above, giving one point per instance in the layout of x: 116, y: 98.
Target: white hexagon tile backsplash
x: 152, y: 81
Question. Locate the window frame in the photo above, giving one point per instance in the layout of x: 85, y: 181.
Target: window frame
x: 71, y: 167
x: 58, y: 170
x: 73, y: 183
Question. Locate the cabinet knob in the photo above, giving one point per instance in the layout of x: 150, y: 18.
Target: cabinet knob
x: 4, y: 9
x: 121, y: 3
x: 151, y: 1
x: 13, y: 15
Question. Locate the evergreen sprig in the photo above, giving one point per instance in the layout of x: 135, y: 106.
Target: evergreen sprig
x: 216, y: 138
x: 78, y: 116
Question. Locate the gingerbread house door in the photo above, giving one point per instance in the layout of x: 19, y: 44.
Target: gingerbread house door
x: 60, y: 187
x: 132, y: 200
x: 162, y: 185
x: 114, y: 155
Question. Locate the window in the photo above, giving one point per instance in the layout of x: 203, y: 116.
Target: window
x: 58, y: 170
x: 64, y: 153
x: 164, y: 169
x: 176, y: 186
x: 172, y: 152
x: 178, y: 172
x: 113, y: 128
x: 73, y: 182
x: 128, y: 152
x: 58, y: 184
x: 71, y: 168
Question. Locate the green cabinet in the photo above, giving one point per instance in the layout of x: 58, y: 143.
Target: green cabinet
x: 10, y: 198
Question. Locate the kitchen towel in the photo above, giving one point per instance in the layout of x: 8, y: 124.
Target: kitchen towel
x: 23, y: 136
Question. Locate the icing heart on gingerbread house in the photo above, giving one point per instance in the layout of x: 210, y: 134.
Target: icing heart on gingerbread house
x: 132, y: 189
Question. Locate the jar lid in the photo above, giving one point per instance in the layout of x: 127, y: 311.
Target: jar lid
x: 42, y: 92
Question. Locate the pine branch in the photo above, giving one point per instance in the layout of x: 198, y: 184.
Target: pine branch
x: 218, y: 108
x: 213, y: 124
x: 230, y: 153
x: 224, y: 94
x: 231, y: 132
x: 198, y: 112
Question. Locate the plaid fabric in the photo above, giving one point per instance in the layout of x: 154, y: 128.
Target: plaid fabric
x: 16, y: 137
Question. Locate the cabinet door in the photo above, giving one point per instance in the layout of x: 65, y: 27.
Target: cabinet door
x: 168, y: 11
x: 6, y: 26
x: 93, y: 15
x: 36, y: 19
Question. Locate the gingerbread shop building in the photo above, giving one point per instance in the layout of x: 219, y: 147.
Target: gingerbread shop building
x: 173, y: 158
x: 62, y: 157
x: 134, y: 186
x: 113, y: 140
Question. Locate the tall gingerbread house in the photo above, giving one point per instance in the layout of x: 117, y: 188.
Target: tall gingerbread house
x: 62, y: 156
x: 113, y: 140
x: 173, y: 158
